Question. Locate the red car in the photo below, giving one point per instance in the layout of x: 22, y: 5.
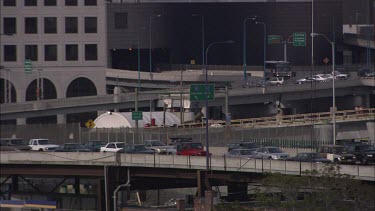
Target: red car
x: 190, y: 149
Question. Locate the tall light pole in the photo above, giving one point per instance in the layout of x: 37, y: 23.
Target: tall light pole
x: 206, y: 85
x: 244, y: 47
x: 202, y: 23
x: 333, y: 84
x: 150, y: 38
x: 264, y: 47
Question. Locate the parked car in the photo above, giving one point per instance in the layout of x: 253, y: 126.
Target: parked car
x: 157, y: 146
x: 136, y: 149
x: 365, y: 153
x: 271, y: 153
x: 365, y: 72
x: 112, y: 147
x: 190, y: 149
x: 72, y: 147
x: 242, y: 145
x: 18, y: 143
x: 309, y: 157
x: 337, y: 154
x: 42, y: 144
x: 241, y: 153
x: 95, y: 145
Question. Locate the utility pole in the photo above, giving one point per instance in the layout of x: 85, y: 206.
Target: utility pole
x: 136, y: 105
x: 181, y: 101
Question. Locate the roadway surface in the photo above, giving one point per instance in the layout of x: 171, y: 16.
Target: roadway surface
x: 218, y: 163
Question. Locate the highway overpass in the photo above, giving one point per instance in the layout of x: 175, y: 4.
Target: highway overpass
x: 237, y: 96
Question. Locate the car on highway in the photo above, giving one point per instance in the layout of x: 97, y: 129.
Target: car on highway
x: 271, y: 153
x: 42, y: 144
x: 241, y: 153
x: 337, y: 154
x: 18, y: 143
x: 320, y: 78
x: 276, y: 81
x: 340, y: 76
x: 112, y: 147
x: 136, y: 149
x: 365, y: 153
x: 72, y: 147
x: 309, y: 157
x: 304, y: 80
x: 95, y: 145
x: 242, y: 145
x: 157, y: 146
x: 190, y: 149
x: 175, y: 140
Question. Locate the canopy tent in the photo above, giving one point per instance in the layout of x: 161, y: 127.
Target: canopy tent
x: 124, y: 119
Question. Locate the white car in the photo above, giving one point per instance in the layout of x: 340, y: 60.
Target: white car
x: 271, y: 153
x: 42, y: 144
x: 276, y: 81
x: 319, y: 78
x: 112, y: 147
x: 341, y: 76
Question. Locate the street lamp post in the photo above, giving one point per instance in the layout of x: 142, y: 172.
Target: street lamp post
x: 206, y: 114
x: 150, y: 38
x: 264, y: 49
x: 202, y: 20
x: 333, y: 84
x: 244, y: 47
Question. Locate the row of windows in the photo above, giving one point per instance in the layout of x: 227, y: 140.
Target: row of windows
x: 50, y: 25
x: 50, y: 52
x: 29, y: 3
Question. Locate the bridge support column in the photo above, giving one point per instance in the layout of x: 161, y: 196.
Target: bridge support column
x: 21, y: 121
x: 237, y: 191
x: 203, y: 183
x: 371, y: 130
x: 61, y: 119
x: 15, y: 183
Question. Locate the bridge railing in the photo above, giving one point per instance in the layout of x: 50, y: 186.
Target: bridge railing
x: 309, y: 118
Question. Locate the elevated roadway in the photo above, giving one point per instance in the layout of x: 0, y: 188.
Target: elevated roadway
x: 217, y: 163
x: 252, y: 95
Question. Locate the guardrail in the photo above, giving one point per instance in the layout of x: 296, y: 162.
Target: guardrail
x: 217, y: 163
x: 296, y: 119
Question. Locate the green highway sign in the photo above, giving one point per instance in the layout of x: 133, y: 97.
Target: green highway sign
x: 299, y: 39
x: 274, y: 39
x: 137, y: 115
x: 198, y: 92
x: 27, y: 65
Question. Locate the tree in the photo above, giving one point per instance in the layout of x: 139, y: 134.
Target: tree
x: 326, y: 189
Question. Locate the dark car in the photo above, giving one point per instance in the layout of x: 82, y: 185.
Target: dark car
x: 309, y: 157
x: 17, y: 143
x: 175, y: 140
x: 337, y: 153
x: 94, y: 145
x: 241, y: 145
x: 136, y: 149
x: 365, y: 153
x: 72, y: 147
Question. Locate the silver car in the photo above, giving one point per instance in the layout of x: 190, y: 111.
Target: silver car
x: 241, y: 153
x: 271, y: 153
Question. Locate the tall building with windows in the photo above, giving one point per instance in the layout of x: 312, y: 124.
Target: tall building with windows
x: 52, y: 49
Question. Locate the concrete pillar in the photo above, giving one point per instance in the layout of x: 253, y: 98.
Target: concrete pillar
x: 237, y: 191
x: 21, y: 121
x: 323, y: 134
x: 371, y: 130
x: 61, y: 119
x: 180, y: 205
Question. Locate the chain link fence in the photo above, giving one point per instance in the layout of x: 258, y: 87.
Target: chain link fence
x: 304, y: 136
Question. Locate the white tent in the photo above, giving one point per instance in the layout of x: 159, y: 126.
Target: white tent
x: 124, y: 119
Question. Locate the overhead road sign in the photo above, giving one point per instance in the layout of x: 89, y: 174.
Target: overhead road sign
x: 274, y: 39
x: 299, y: 39
x: 199, y: 92
x: 137, y: 115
